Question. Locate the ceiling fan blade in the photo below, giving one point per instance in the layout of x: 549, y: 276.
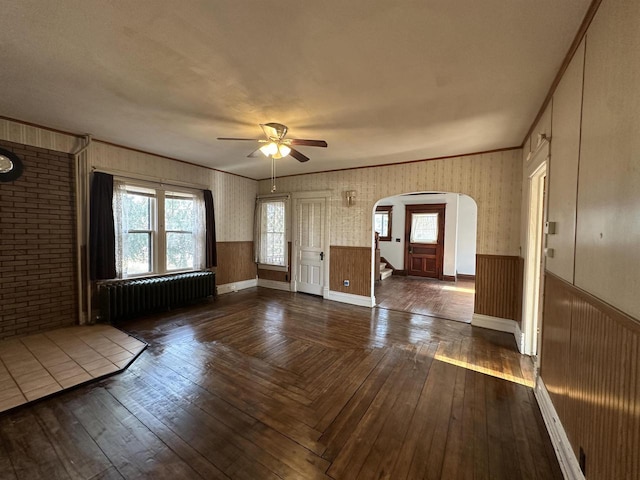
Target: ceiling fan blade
x: 274, y: 130
x: 308, y: 143
x: 255, y: 153
x: 301, y: 157
x: 244, y: 139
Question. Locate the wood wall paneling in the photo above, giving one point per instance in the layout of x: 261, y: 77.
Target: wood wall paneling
x: 353, y: 264
x: 235, y: 262
x: 499, y: 286
x: 590, y: 356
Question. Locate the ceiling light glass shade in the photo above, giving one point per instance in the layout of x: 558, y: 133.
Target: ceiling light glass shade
x: 269, y: 149
x: 284, y: 150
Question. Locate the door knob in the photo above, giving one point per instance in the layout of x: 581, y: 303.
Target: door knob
x: 322, y: 256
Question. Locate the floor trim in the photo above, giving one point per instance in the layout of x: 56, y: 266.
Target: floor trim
x: 352, y: 299
x: 235, y: 286
x: 499, y: 324
x: 275, y: 284
x: 566, y: 458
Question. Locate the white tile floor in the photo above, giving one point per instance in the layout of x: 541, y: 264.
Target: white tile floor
x: 38, y: 365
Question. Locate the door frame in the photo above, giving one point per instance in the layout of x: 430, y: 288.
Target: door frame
x: 408, y: 210
x: 534, y: 258
x: 326, y: 195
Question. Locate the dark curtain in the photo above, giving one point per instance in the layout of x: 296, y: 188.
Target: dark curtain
x: 211, y: 256
x: 102, y: 235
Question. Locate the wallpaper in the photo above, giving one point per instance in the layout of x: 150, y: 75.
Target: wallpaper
x: 37, y: 137
x: 234, y: 196
x: 493, y: 180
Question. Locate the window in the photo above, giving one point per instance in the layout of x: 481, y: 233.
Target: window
x: 138, y: 235
x: 157, y: 231
x: 382, y: 223
x: 424, y: 228
x: 271, y: 232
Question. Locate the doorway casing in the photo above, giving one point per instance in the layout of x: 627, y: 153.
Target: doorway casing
x: 533, y: 289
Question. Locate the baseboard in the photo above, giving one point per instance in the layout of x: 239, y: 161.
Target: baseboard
x: 449, y: 278
x: 263, y: 282
x: 464, y: 276
x: 567, y: 459
x: 400, y: 272
x: 499, y: 324
x: 235, y: 286
x: 359, y: 300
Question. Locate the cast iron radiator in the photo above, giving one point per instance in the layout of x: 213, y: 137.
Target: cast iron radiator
x: 123, y: 299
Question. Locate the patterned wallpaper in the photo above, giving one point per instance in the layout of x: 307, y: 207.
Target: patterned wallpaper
x: 493, y: 180
x: 37, y: 137
x: 234, y: 196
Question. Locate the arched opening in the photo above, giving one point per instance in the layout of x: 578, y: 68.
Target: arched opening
x: 424, y: 250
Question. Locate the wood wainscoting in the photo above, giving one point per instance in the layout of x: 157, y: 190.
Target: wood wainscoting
x: 499, y: 286
x: 235, y: 262
x: 590, y: 364
x: 353, y: 264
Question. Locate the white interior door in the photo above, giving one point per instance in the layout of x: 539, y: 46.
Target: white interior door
x: 310, y: 245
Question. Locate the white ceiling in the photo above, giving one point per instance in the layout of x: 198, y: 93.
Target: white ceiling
x: 381, y: 81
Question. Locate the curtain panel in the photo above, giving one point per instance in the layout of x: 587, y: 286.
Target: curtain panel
x: 102, y: 252
x: 211, y: 253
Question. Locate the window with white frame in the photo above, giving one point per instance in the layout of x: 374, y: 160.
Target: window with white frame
x: 271, y: 232
x: 158, y: 230
x: 382, y: 222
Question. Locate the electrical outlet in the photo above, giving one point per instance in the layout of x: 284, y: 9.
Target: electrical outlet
x: 346, y: 283
x: 234, y: 288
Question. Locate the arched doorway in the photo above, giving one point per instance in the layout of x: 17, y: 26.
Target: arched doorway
x: 424, y: 250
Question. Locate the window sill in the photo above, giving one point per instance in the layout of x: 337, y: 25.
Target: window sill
x: 277, y: 268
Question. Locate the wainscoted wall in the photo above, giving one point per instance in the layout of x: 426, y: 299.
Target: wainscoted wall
x: 499, y: 286
x: 493, y: 180
x: 590, y: 366
x: 234, y: 196
x: 37, y: 239
x: 353, y: 264
x: 235, y: 262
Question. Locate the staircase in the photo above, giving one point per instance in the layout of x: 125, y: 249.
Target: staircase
x: 385, y: 271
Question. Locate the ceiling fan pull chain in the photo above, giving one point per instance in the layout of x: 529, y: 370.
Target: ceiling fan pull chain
x: 273, y: 174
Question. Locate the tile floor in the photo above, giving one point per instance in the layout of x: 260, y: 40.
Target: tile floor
x: 38, y: 365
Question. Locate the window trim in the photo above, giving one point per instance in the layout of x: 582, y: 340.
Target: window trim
x: 284, y: 198
x: 158, y: 231
x: 389, y: 210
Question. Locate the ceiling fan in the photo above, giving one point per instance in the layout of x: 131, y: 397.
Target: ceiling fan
x: 276, y: 146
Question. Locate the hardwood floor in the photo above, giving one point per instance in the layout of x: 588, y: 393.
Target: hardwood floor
x: 265, y: 384
x: 427, y: 296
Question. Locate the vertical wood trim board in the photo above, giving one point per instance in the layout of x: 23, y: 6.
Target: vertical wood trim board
x: 590, y: 364
x: 498, y: 286
x: 235, y: 262
x: 353, y: 264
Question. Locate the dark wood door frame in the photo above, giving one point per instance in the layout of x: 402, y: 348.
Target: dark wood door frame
x: 439, y: 208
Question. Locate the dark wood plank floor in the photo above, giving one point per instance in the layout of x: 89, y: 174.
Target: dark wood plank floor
x: 427, y: 296
x: 266, y: 384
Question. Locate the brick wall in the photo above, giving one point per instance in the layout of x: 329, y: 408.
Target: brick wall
x: 37, y: 244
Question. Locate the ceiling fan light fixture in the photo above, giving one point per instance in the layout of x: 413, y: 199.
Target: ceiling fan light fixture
x: 284, y: 150
x: 269, y: 149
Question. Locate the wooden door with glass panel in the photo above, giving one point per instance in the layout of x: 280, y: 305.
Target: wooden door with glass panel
x: 424, y: 240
